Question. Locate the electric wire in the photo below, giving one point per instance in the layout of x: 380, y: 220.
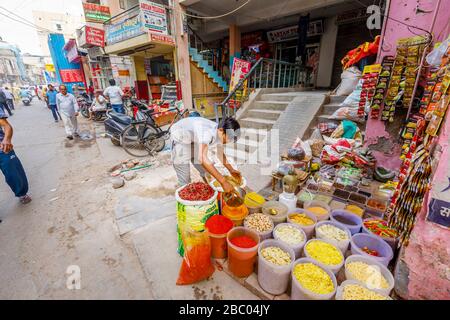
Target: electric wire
x: 219, y: 16
x: 25, y: 21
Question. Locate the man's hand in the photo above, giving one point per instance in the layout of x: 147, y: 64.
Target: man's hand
x: 6, y: 146
x: 236, y: 175
x: 227, y: 187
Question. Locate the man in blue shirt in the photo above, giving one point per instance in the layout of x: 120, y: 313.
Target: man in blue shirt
x: 9, y: 162
x: 51, y: 101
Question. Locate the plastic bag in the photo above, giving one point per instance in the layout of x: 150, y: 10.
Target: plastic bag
x: 299, y: 143
x: 434, y: 58
x: 316, y: 135
x: 347, y: 113
x: 197, y: 265
x: 353, y: 99
x: 349, y: 81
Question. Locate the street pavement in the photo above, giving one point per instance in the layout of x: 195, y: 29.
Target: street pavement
x: 121, y: 240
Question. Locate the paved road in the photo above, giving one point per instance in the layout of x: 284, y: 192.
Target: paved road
x: 70, y: 220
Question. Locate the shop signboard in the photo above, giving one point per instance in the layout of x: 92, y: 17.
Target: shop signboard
x: 49, y: 67
x: 154, y: 17
x: 123, y: 30
x: 315, y: 28
x: 123, y: 73
x: 95, y: 12
x: 161, y: 38
x: 95, y: 36
x: 71, y: 75
x: 71, y: 51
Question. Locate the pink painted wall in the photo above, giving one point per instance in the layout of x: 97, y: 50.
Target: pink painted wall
x: 405, y: 11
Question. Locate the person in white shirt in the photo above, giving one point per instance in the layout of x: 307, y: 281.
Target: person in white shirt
x: 191, y: 137
x: 68, y: 108
x: 114, y: 95
x: 99, y: 103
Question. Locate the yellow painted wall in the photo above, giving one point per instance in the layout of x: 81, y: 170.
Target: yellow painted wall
x: 201, y: 84
x: 140, y: 68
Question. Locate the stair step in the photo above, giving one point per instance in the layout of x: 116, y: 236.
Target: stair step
x: 258, y: 123
x: 337, y: 99
x: 271, y: 105
x: 265, y: 114
x: 330, y: 108
x: 277, y: 97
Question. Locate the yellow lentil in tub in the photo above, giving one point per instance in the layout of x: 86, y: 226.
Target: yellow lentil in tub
x: 357, y: 292
x: 301, y: 219
x: 289, y: 235
x: 324, y: 252
x: 317, y: 210
x: 370, y: 275
x: 334, y: 233
x: 276, y: 255
x: 313, y: 278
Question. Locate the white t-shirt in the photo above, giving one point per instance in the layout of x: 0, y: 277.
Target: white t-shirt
x: 114, y: 93
x: 194, y: 130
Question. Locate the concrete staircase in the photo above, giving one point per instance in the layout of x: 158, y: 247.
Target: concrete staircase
x: 206, y: 65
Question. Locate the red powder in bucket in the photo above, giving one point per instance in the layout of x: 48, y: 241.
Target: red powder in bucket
x: 218, y: 224
x: 243, y: 242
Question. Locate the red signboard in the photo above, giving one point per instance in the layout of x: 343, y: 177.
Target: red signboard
x: 96, y: 13
x: 161, y: 38
x: 71, y: 75
x: 95, y: 36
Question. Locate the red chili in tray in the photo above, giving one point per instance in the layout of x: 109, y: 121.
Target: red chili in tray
x: 196, y: 191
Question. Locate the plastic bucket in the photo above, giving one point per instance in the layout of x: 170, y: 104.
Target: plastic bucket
x: 241, y: 261
x: 361, y: 240
x: 340, y: 289
x: 218, y: 245
x: 271, y: 277
x: 373, y: 280
x: 281, y: 209
x: 298, y: 292
x: 308, y: 229
x: 262, y: 235
x: 254, y: 201
x: 296, y: 247
x: 321, y: 204
x: 347, y: 219
x: 235, y: 214
x: 391, y: 241
x: 333, y: 268
x: 342, y: 245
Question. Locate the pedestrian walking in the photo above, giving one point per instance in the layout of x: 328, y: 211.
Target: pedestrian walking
x: 10, y: 164
x: 3, y: 102
x: 50, y: 98
x: 68, y: 107
x: 9, y: 98
x: 114, y: 95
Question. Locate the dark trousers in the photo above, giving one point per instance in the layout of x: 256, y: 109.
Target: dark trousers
x: 10, y: 103
x: 14, y: 173
x: 6, y: 108
x: 55, y: 111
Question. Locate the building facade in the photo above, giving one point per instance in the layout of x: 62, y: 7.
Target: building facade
x: 12, y: 68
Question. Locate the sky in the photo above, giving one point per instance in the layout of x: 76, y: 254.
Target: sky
x: 26, y: 37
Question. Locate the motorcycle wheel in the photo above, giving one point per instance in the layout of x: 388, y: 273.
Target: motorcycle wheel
x: 84, y: 112
x: 141, y: 147
x: 98, y: 116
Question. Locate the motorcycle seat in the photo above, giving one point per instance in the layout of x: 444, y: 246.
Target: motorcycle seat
x: 120, y: 117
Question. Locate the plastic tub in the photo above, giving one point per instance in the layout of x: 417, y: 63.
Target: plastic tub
x: 372, y: 242
x: 333, y: 268
x: 298, y: 292
x: 262, y: 235
x: 271, y: 277
x: 235, y: 214
x: 347, y: 219
x: 315, y: 203
x: 372, y: 262
x: 254, y: 201
x: 308, y: 229
x: 340, y: 289
x: 241, y: 261
x: 218, y: 240
x: 296, y: 247
x: 342, y: 245
x: 280, y: 208
x: 391, y: 241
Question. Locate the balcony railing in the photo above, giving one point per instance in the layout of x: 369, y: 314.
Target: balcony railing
x: 127, y: 25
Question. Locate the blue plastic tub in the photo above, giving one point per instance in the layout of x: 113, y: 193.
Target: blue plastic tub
x: 361, y: 240
x: 347, y: 219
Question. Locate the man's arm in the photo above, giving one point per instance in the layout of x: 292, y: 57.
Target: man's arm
x: 75, y: 104
x: 6, y: 145
x: 57, y: 102
x: 209, y: 167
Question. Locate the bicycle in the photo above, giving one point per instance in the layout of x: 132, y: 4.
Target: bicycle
x: 144, y: 137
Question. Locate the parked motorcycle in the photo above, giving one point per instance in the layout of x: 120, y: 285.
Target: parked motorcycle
x: 84, y: 102
x: 26, y: 101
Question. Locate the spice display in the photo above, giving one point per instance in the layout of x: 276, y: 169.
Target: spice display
x: 380, y: 228
x: 369, y: 82
x: 218, y: 224
x: 317, y: 210
x: 358, y: 198
x: 324, y: 252
x: 355, y: 209
x: 371, y: 252
x: 253, y: 200
x: 323, y: 198
x: 301, y: 219
x: 276, y: 256
x: 258, y: 222
x: 332, y: 232
x: 196, y: 191
x: 381, y: 87
x: 357, y: 292
x: 289, y: 235
x: 341, y: 194
x: 313, y: 278
x: 377, y: 204
x: 305, y: 195
x: 243, y: 242
x: 367, y: 274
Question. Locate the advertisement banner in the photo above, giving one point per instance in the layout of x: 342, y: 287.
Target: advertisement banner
x: 95, y: 12
x: 154, y: 17
x: 161, y: 38
x: 71, y: 75
x: 95, y: 36
x: 240, y: 69
x: 124, y: 30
